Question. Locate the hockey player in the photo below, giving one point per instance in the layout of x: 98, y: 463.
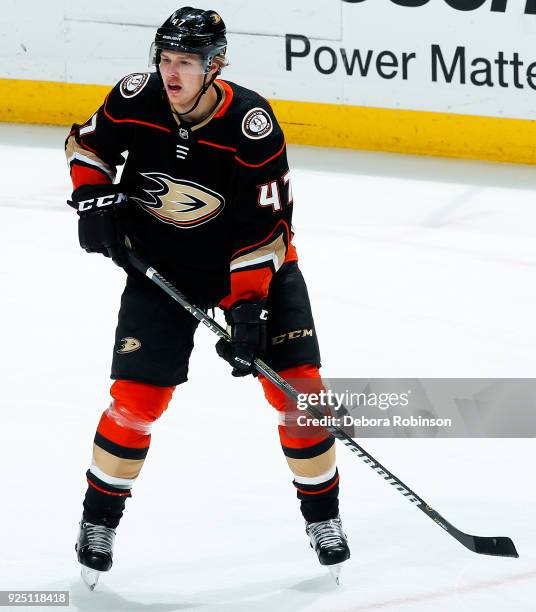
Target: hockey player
x: 206, y: 196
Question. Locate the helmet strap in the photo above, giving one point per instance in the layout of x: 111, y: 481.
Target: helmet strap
x: 202, y: 92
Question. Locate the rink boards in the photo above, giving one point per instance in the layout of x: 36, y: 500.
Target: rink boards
x: 439, y: 77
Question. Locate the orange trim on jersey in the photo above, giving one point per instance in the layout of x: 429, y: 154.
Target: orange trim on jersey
x: 82, y: 175
x: 241, y: 161
x: 250, y: 285
x: 91, y: 484
x: 229, y: 95
x: 234, y: 150
x: 218, y: 146
x: 292, y: 254
x: 137, y: 121
x: 321, y: 490
x: 251, y: 246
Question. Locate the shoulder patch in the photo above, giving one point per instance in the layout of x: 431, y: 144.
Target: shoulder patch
x: 257, y: 123
x: 132, y: 84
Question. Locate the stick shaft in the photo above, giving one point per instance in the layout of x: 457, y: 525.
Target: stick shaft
x: 493, y: 546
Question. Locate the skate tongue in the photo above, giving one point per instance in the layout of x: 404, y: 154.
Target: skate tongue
x: 335, y: 571
x: 89, y: 576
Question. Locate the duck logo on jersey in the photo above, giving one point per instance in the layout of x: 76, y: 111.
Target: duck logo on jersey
x: 129, y: 345
x: 178, y: 202
x: 132, y: 84
x: 257, y: 124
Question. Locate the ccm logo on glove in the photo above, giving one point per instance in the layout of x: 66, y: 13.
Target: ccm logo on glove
x: 101, y: 201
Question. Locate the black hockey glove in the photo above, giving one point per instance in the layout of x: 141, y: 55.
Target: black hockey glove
x: 101, y: 210
x: 248, y: 336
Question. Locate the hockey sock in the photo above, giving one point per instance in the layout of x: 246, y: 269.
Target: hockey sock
x: 315, y: 477
x: 103, y: 504
x: 319, y: 502
x: 120, y: 447
x: 309, y: 450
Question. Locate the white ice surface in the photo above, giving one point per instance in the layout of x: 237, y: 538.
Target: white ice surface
x: 416, y: 267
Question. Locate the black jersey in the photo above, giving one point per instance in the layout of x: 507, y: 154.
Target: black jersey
x: 209, y: 203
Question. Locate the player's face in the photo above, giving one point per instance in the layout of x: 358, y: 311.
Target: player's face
x: 182, y: 74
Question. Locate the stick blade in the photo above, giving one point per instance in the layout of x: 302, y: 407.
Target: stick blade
x: 498, y: 547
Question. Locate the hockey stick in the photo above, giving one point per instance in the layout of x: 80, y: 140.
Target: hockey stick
x: 500, y: 546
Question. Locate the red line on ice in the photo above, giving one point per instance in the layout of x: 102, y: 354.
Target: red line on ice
x: 470, y: 588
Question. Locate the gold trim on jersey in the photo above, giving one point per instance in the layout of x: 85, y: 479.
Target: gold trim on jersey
x: 74, y: 151
x: 273, y: 252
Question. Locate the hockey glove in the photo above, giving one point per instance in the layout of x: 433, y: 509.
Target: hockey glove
x: 247, y: 321
x: 101, y: 211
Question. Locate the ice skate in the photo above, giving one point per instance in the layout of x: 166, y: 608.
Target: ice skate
x: 330, y: 544
x: 95, y: 551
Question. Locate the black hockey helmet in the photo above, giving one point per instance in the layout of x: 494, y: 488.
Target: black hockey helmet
x: 191, y: 30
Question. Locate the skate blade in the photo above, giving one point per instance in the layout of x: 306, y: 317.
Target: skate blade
x: 335, y: 571
x: 90, y: 577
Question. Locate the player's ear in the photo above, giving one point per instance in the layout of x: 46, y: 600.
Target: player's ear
x: 214, y: 69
